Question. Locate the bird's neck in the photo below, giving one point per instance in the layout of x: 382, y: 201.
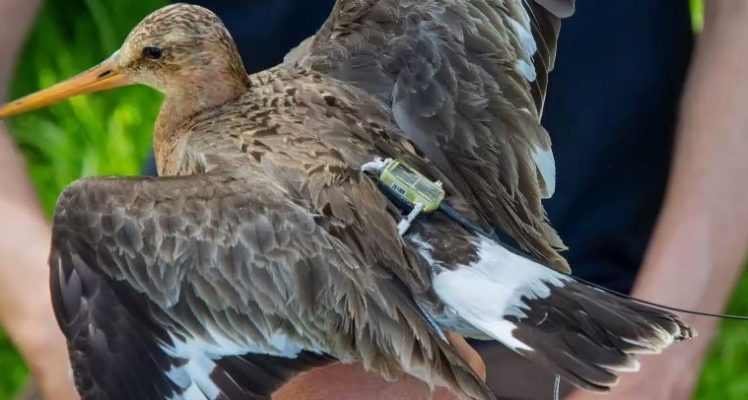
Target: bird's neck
x: 196, y: 96
x: 181, y: 104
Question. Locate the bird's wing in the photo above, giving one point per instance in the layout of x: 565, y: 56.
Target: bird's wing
x: 466, y: 81
x: 221, y: 287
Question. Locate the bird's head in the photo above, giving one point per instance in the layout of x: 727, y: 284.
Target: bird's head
x: 182, y: 50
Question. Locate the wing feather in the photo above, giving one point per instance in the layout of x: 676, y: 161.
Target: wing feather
x: 199, y: 285
x: 466, y: 80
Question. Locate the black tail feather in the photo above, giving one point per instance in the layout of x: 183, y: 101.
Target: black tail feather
x: 257, y: 376
x: 587, y: 335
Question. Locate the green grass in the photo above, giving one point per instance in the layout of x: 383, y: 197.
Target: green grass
x: 110, y: 134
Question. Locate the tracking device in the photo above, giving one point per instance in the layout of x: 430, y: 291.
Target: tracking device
x: 408, y: 187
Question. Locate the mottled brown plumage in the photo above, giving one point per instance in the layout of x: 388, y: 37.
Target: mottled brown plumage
x: 448, y: 70
x: 264, y: 250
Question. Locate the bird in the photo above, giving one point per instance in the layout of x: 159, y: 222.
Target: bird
x: 264, y: 248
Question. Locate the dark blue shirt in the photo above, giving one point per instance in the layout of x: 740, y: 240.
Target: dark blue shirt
x: 266, y: 30
x: 610, y: 111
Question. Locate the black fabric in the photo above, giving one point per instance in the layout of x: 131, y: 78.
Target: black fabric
x: 610, y: 111
x: 266, y: 30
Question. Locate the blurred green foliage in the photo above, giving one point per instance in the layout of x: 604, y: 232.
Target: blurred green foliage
x: 104, y: 134
x: 12, y: 370
x: 697, y: 14
x: 110, y: 134
x: 725, y: 373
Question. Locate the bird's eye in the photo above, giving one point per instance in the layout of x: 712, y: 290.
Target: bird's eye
x: 152, y: 53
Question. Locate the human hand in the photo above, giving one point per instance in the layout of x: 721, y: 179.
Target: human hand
x: 25, y: 306
x: 671, y: 377
x: 342, y: 382
x: 647, y: 389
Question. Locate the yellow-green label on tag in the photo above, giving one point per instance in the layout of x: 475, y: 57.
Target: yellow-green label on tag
x: 411, y: 186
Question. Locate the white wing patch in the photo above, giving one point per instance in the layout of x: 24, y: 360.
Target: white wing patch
x: 193, y: 375
x: 525, y: 38
x: 546, y: 165
x: 526, y: 70
x: 522, y: 29
x: 494, y: 287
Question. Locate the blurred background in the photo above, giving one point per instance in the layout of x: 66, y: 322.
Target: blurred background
x: 110, y: 134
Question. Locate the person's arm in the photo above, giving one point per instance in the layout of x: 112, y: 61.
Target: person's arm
x: 701, y: 239
x: 25, y: 307
x: 341, y: 381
